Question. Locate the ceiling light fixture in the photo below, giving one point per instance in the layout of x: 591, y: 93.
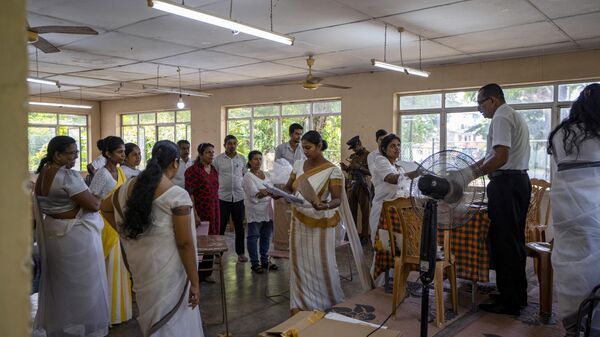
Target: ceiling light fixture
x: 180, y: 103
x: 61, y: 105
x: 174, y: 8
x: 169, y: 90
x: 41, y: 81
x: 401, y: 68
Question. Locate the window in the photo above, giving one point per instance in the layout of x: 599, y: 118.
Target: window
x: 263, y: 127
x: 430, y: 122
x: 145, y: 129
x: 43, y: 126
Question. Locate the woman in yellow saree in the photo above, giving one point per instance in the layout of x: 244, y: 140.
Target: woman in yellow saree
x: 314, y: 277
x: 106, y: 180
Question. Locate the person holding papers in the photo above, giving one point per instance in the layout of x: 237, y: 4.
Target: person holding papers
x: 314, y: 277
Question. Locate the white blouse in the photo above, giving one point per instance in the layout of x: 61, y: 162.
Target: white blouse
x: 257, y: 209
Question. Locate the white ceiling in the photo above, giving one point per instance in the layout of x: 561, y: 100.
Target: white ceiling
x: 343, y: 35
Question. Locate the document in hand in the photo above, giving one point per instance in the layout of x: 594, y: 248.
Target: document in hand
x: 281, y: 193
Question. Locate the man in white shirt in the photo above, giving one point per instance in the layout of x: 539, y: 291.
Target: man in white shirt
x: 371, y: 157
x: 509, y: 191
x: 231, y: 167
x: 184, y: 163
x: 291, y: 150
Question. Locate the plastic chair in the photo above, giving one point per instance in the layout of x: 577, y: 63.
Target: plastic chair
x: 410, y: 260
x: 535, y: 228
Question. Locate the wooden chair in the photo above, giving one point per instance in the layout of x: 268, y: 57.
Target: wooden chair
x: 542, y: 255
x: 409, y: 259
x: 535, y: 228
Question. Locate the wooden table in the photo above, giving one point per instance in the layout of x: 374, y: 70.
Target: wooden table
x: 213, y: 247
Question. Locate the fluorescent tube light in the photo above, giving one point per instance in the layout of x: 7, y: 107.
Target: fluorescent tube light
x: 41, y: 81
x: 406, y: 70
x: 168, y: 90
x: 61, y: 105
x: 174, y: 8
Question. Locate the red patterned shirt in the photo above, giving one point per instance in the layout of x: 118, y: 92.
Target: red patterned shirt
x: 204, y: 189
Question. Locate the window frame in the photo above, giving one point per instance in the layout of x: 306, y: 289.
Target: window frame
x: 281, y: 132
x: 156, y: 126
x: 555, y: 106
x: 57, y: 125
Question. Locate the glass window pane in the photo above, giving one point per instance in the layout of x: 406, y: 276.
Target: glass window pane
x: 564, y: 113
x: 266, y: 110
x: 461, y: 99
x: 83, y: 149
x: 241, y: 129
x: 296, y: 109
x: 38, y: 137
x: 539, y: 122
x: 131, y: 119
x: 184, y: 116
x: 265, y: 140
x: 330, y: 107
x: 421, y: 101
x: 181, y: 132
x: 242, y: 112
x: 166, y: 133
x: 529, y: 94
x: 570, y: 92
x: 420, y: 136
x: 165, y: 117
x: 147, y: 118
x: 467, y: 133
x: 42, y: 118
x: 285, y: 126
x: 129, y: 134
x: 148, y: 138
x: 330, y: 128
x: 72, y: 119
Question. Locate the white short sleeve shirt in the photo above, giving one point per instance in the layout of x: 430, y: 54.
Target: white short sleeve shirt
x: 508, y: 128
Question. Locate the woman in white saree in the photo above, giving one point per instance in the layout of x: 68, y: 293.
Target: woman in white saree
x: 575, y: 147
x: 155, y: 222
x: 73, y: 297
x: 314, y: 276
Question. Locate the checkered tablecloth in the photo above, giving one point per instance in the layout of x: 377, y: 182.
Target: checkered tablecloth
x: 468, y: 243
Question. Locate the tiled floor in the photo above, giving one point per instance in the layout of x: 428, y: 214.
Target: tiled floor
x: 250, y: 312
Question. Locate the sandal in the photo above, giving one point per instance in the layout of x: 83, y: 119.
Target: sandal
x: 258, y: 269
x: 271, y: 266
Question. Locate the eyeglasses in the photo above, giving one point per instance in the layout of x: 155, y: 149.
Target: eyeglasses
x: 482, y: 101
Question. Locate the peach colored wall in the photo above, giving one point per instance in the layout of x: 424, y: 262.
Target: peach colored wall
x: 93, y: 114
x: 370, y: 104
x: 15, y: 214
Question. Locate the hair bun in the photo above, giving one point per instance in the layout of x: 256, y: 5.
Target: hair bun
x: 324, y: 145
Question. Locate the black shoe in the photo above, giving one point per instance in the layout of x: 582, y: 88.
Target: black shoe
x: 496, y: 297
x: 497, y: 308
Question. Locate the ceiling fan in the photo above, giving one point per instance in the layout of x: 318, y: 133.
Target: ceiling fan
x: 42, y: 44
x: 311, y: 82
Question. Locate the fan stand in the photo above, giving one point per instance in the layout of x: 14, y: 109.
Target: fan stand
x: 428, y: 256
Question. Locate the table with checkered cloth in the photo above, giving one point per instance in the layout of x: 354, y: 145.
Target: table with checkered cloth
x: 468, y: 243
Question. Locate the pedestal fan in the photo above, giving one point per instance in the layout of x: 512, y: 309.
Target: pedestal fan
x: 443, y: 197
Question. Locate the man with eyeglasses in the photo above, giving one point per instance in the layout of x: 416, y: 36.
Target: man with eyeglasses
x: 509, y: 190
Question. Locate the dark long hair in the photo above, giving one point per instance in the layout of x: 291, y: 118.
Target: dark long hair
x: 139, y: 205
x: 385, y: 142
x: 315, y: 138
x: 129, y: 147
x: 57, y: 144
x: 585, y: 114
x: 251, y: 156
x: 111, y: 143
x: 201, y: 148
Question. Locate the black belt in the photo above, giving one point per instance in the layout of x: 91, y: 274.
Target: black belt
x: 498, y: 173
x: 570, y: 166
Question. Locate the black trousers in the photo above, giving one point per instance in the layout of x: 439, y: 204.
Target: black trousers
x: 236, y: 211
x: 508, y: 197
